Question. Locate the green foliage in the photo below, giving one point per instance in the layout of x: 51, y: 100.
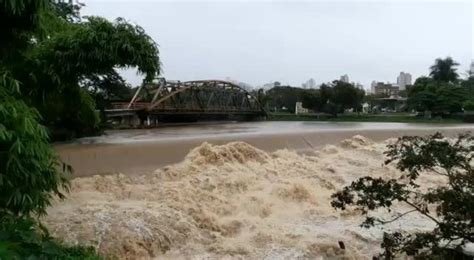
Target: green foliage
x: 450, y: 98
x: 312, y: 100
x: 347, y: 96
x: 68, y: 11
x: 444, y: 70
x: 438, y: 97
x: 108, y: 88
x: 28, y: 166
x: 340, y: 96
x: 468, y: 85
x: 284, y: 97
x: 453, y: 202
x: 331, y: 99
x: 469, y: 105
x: 18, y: 19
x: 64, y: 58
x: 443, y: 93
x: 23, y: 238
x: 30, y: 172
x: 69, y: 52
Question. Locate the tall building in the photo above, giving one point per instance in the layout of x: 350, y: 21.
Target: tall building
x: 372, y: 86
x: 311, y: 83
x: 471, y: 70
x: 345, y: 78
x: 386, y: 89
x: 403, y: 80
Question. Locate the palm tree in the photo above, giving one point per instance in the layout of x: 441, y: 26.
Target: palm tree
x: 444, y: 70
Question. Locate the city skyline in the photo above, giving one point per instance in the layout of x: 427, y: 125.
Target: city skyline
x: 250, y: 42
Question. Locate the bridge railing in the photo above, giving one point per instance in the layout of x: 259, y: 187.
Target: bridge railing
x: 135, y: 105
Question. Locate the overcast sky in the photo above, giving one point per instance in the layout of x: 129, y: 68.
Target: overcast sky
x: 262, y: 41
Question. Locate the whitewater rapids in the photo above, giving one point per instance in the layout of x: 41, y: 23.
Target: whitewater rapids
x: 231, y: 201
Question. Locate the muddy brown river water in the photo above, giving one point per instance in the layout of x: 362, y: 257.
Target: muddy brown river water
x: 257, y: 190
x: 144, y: 150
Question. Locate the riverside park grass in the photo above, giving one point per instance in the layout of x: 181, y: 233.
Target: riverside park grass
x: 392, y: 117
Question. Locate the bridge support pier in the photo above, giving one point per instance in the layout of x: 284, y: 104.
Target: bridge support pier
x: 151, y: 121
x: 132, y: 120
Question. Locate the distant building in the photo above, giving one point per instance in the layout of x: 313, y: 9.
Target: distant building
x: 372, y: 86
x: 345, y: 78
x: 471, y: 70
x: 243, y: 85
x: 271, y: 85
x: 386, y: 89
x: 299, y: 109
x: 311, y: 83
x: 403, y: 80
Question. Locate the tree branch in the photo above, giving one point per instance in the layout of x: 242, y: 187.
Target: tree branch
x: 399, y: 216
x: 421, y: 211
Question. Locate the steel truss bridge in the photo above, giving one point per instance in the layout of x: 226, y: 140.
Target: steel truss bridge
x: 188, y: 101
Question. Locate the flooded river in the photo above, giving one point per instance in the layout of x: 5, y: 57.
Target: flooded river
x: 144, y: 150
x: 230, y: 191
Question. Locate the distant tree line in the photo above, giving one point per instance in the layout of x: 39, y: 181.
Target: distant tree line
x: 443, y: 93
x: 331, y: 98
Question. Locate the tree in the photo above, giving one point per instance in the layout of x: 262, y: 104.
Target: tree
x: 107, y: 88
x: 347, y: 96
x: 19, y: 20
x: 284, y: 97
x: 449, y: 206
x: 468, y: 85
x: 444, y: 70
x: 434, y: 97
x: 262, y: 97
x: 450, y: 99
x: 340, y: 96
x: 69, y: 52
x: 312, y: 100
x: 29, y: 175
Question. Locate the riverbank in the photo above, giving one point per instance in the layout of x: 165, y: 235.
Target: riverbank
x: 389, y: 117
x: 141, y: 151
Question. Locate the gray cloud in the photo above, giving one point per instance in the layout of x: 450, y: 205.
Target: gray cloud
x: 262, y: 41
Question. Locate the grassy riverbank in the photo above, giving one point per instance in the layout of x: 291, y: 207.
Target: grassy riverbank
x: 395, y: 118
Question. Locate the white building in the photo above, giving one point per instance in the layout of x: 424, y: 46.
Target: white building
x: 372, y: 86
x: 345, y: 78
x: 299, y: 109
x: 403, y: 80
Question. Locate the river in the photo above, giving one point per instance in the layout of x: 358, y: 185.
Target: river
x: 143, y: 150
x: 268, y: 197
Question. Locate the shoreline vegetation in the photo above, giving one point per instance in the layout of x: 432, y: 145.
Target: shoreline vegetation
x: 379, y: 118
x: 321, y: 117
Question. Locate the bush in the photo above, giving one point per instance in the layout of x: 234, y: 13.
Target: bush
x: 23, y: 238
x: 453, y: 202
x: 30, y: 172
x: 469, y: 105
x: 30, y: 176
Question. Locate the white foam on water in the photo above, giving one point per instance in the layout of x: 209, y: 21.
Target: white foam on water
x: 231, y: 201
